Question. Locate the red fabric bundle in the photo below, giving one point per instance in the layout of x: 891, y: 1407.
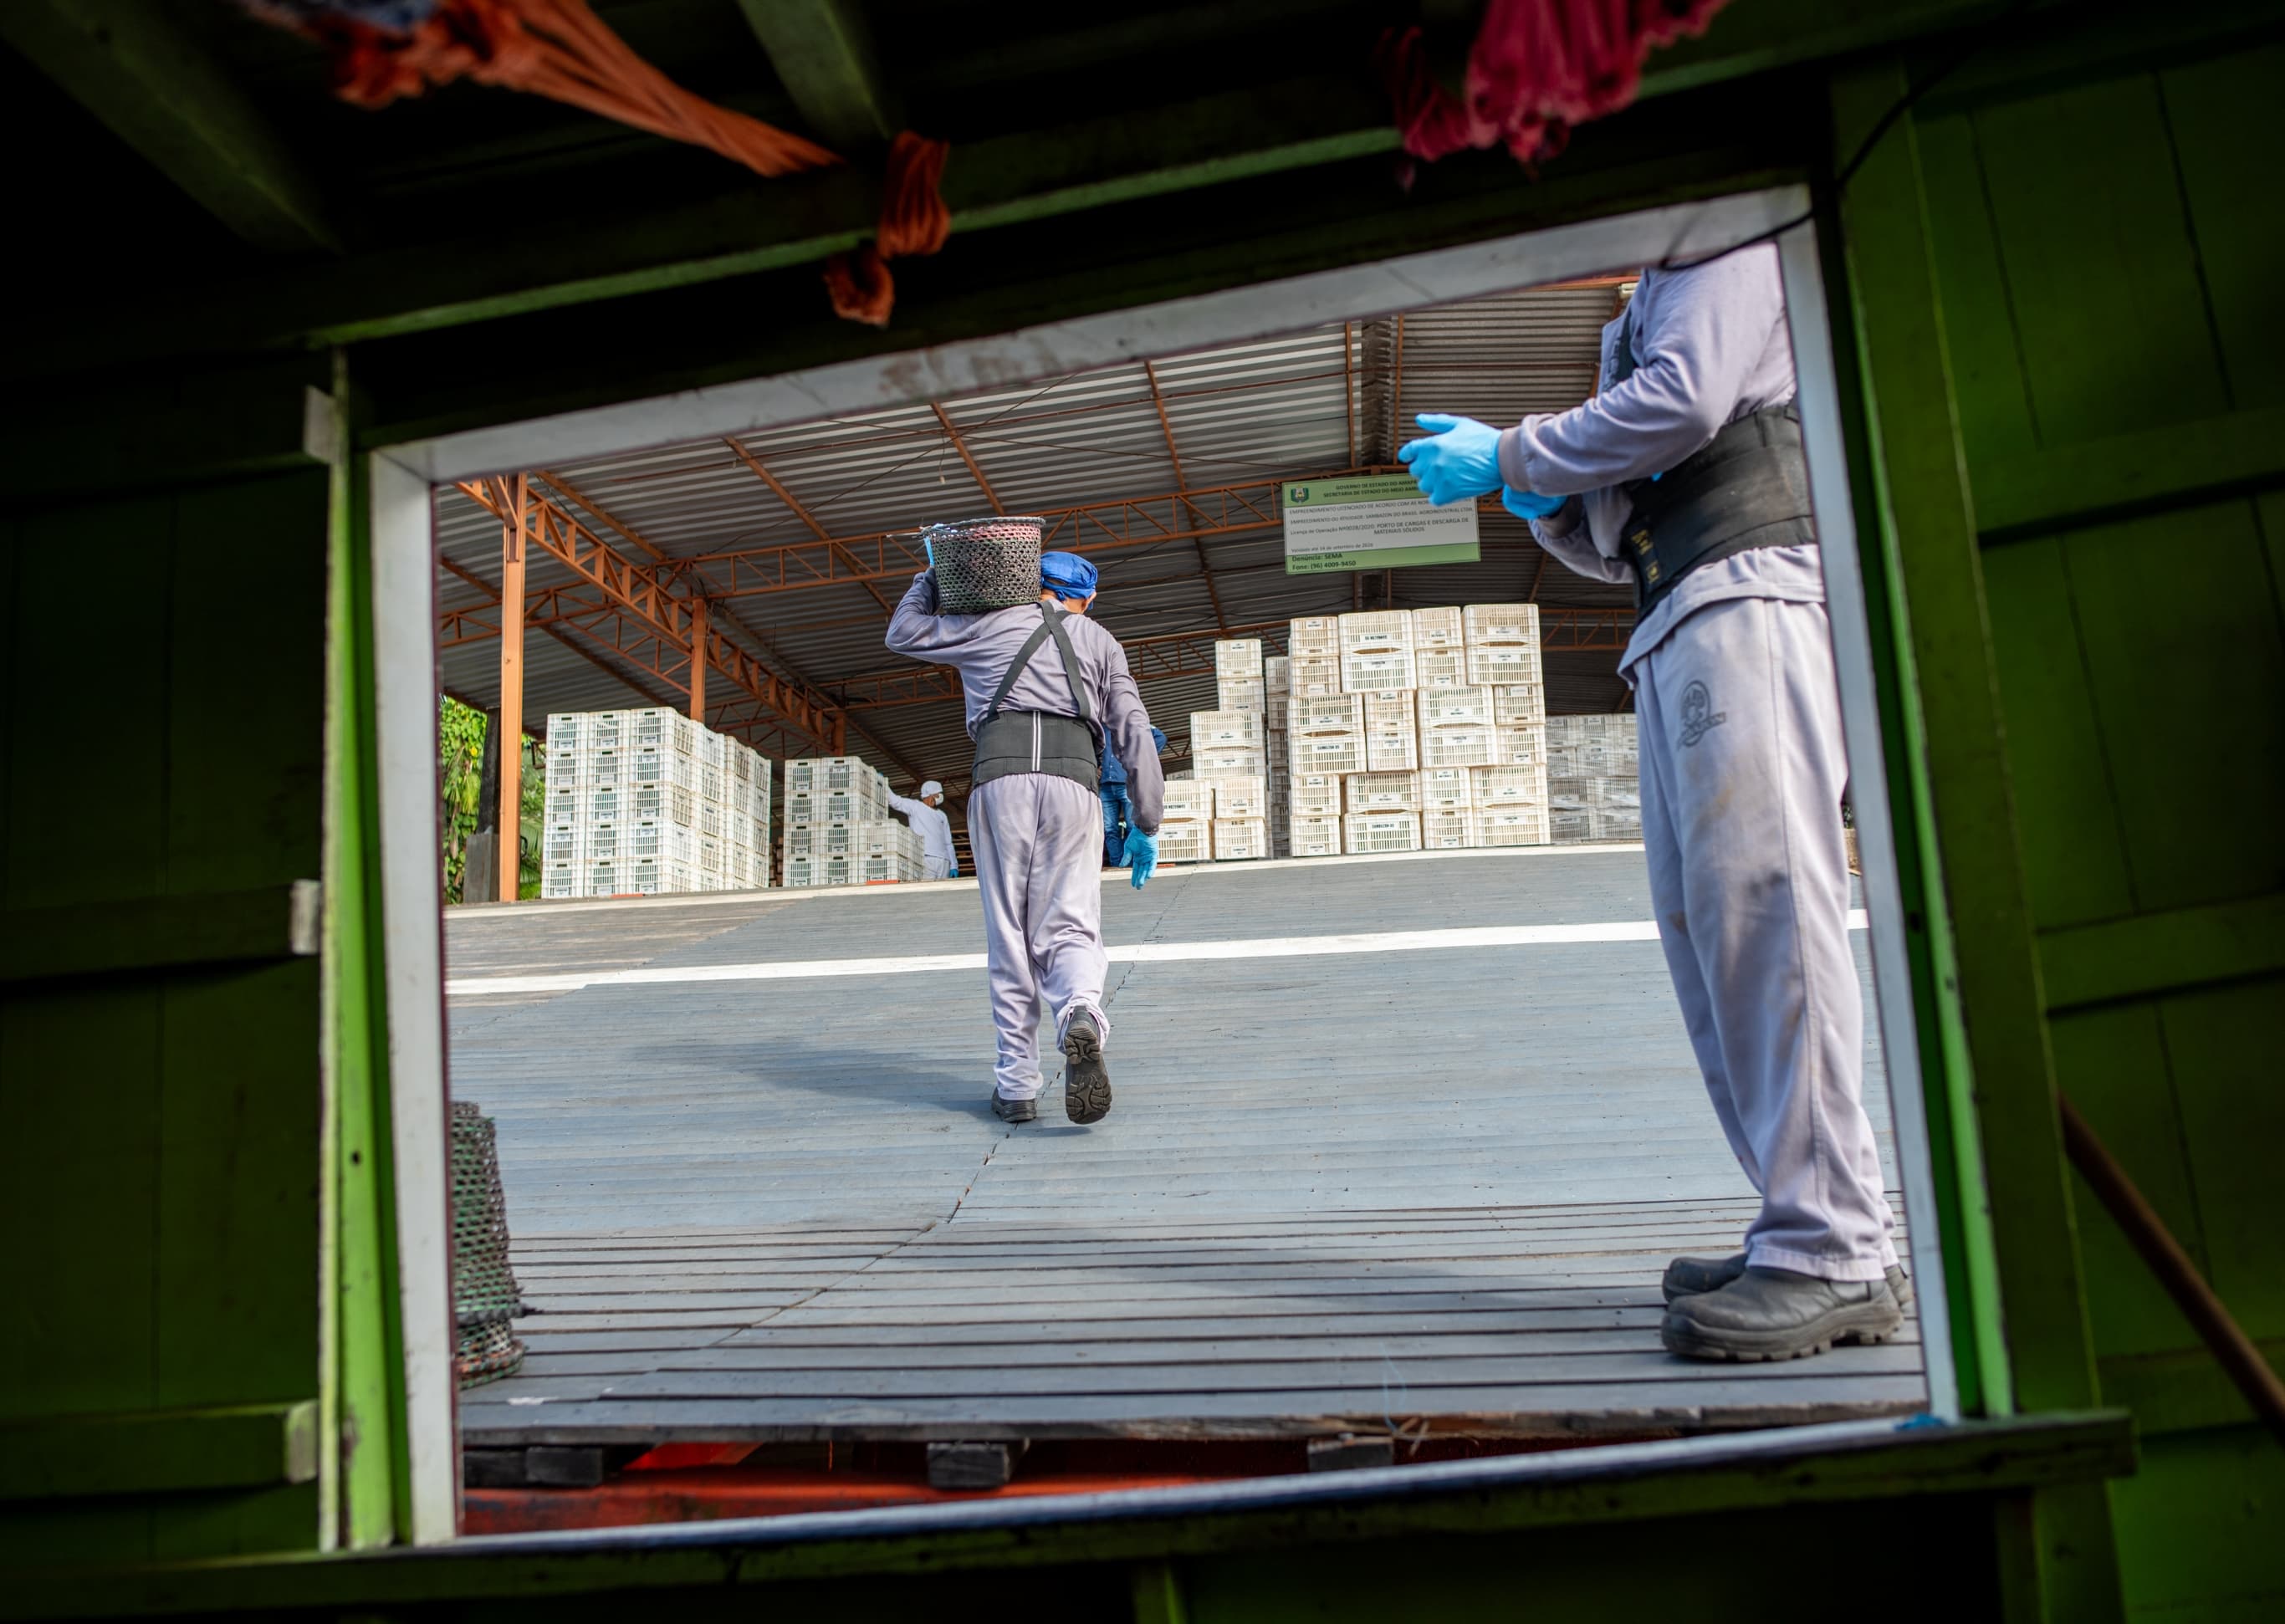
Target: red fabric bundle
x: 1536, y: 68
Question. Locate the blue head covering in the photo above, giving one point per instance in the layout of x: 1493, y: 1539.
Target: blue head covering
x: 1067, y: 575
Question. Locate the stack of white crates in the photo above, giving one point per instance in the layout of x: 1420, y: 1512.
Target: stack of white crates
x: 1186, y: 824
x: 840, y: 829
x: 1593, y: 778
x: 1277, y: 689
x: 647, y: 803
x: 1416, y: 729
x: 1229, y: 756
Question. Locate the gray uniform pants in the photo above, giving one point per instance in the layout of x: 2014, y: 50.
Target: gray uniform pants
x: 1743, y: 770
x: 1038, y: 841
x: 936, y: 868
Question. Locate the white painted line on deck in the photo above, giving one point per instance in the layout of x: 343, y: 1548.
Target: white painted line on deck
x: 1133, y: 953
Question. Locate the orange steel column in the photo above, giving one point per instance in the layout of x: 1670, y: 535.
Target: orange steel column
x: 698, y: 661
x: 511, y: 692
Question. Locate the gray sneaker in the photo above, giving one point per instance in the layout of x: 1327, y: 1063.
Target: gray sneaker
x: 1014, y: 1110
x: 1087, y: 1080
x: 1776, y: 1314
x: 1688, y: 1276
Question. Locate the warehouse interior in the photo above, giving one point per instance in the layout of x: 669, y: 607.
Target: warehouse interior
x: 260, y: 323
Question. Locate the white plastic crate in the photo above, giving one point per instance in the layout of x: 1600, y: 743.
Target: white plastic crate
x: 1375, y: 670
x: 1570, y: 792
x: 1440, y: 668
x: 658, y: 763
x: 655, y: 877
x: 1240, y: 839
x: 600, y: 841
x: 1500, y: 622
x: 1519, y: 704
x: 709, y: 856
x: 1470, y: 706
x: 1323, y: 713
x: 1277, y: 673
x: 1240, y: 694
x: 1188, y: 840
x: 1508, y: 786
x: 1239, y: 657
x: 1511, y: 825
x: 1448, y: 788
x: 1365, y: 832
x: 1230, y: 758
x: 1457, y: 747
x: 562, y: 882
x: 1188, y: 798
x: 1382, y: 792
x: 836, y: 806
x: 739, y: 762
x: 1241, y: 795
x: 657, y: 800
x: 713, y: 750
x: 1447, y: 829
x: 1310, y: 675
x: 1314, y: 795
x: 662, y: 838
x: 1521, y: 747
x: 1314, y: 837
x: 1391, y: 747
x: 885, y: 869
x: 1228, y: 730
x: 563, y: 843
x: 710, y: 818
x: 579, y: 730
x: 1313, y: 634
x: 1503, y: 664
x: 1315, y: 755
x: 664, y: 729
x: 604, y: 878
x: 1372, y: 628
x: 823, y: 774
x: 1438, y: 628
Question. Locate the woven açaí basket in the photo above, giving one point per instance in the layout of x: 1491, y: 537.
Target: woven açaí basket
x: 985, y: 564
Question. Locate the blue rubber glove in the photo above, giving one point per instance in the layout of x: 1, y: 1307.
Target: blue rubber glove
x: 1528, y: 503
x: 1141, y: 856
x: 1461, y: 459
x: 955, y: 873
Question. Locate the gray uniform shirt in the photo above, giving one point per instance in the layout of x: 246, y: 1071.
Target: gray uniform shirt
x: 982, y: 647
x: 1709, y: 346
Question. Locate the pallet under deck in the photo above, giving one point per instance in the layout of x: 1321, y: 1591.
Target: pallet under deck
x: 1423, y: 1191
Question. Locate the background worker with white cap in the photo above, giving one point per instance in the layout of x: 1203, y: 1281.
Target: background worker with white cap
x: 926, y: 815
x: 1047, y: 690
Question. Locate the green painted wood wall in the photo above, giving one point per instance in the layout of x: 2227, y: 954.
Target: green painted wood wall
x: 2111, y: 255
x: 162, y: 662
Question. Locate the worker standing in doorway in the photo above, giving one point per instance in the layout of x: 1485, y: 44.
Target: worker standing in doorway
x: 1685, y: 475
x: 926, y: 814
x: 1048, y: 691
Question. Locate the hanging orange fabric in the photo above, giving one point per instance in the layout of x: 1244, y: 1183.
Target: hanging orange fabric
x: 560, y: 50
x: 914, y: 221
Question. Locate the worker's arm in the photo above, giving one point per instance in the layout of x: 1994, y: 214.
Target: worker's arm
x: 1697, y: 342
x: 908, y: 807
x: 916, y: 629
x: 1564, y: 533
x: 1126, y: 724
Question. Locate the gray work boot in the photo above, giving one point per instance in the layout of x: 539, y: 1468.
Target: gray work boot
x: 1014, y: 1110
x: 1776, y: 1314
x: 1087, y: 1080
x: 1688, y: 1276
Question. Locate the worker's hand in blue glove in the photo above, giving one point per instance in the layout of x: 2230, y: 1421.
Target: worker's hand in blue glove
x: 1460, y: 459
x: 1528, y: 503
x: 1141, y: 855
x: 955, y: 873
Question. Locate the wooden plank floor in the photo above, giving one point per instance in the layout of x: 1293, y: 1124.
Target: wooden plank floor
x: 1427, y: 1191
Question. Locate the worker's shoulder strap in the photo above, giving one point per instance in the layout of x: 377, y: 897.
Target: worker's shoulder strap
x: 1051, y: 624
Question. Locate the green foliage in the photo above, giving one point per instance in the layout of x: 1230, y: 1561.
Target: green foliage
x: 459, y: 781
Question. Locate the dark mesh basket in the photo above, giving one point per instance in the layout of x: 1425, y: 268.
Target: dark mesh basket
x: 984, y: 564
x: 485, y: 1300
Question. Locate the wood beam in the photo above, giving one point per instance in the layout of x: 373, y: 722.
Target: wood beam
x: 961, y: 446
x: 150, y: 84
x: 823, y: 53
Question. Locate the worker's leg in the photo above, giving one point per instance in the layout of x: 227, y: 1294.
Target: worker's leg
x: 1114, y: 825
x: 1065, y: 921
x: 936, y: 868
x: 1741, y: 717
x: 1000, y: 828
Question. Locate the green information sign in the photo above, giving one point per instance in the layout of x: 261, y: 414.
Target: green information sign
x: 1373, y: 521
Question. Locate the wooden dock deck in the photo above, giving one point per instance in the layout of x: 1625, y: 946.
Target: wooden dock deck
x: 1414, y: 1184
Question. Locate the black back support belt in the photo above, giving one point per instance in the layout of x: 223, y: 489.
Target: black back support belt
x: 1009, y: 742
x: 1746, y: 487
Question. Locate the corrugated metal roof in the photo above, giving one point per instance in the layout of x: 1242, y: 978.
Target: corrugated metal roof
x: 1278, y: 408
